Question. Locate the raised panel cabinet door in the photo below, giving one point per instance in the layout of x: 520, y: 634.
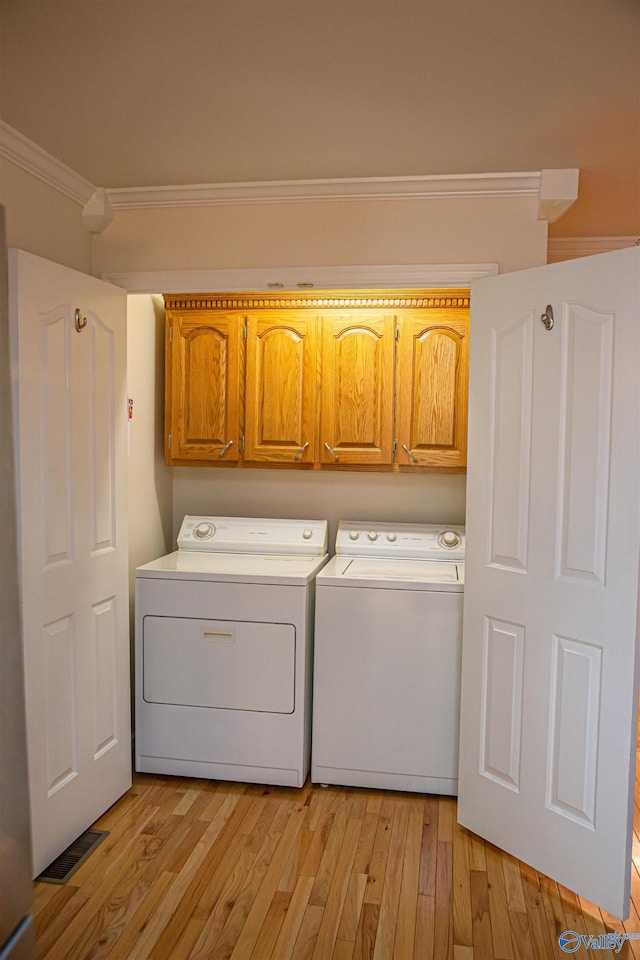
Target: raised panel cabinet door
x: 357, y: 394
x: 281, y: 387
x: 203, y: 369
x: 432, y: 386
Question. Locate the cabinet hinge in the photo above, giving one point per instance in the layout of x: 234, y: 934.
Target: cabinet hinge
x: 395, y: 446
x: 170, y: 334
x: 242, y: 440
x: 244, y: 332
x: 397, y: 331
x: 169, y: 439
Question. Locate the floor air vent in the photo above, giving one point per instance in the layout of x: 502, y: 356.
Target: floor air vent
x: 64, y: 866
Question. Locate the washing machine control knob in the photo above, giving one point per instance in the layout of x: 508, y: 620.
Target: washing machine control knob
x: 392, y: 537
x: 353, y: 535
x: 204, y: 530
x: 373, y: 535
x: 450, y: 538
x: 307, y: 534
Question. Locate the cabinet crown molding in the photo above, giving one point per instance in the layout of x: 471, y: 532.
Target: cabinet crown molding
x: 412, y: 299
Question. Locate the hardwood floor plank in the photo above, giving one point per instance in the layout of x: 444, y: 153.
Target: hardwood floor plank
x: 380, y: 853
x: 306, y: 939
x: 283, y: 949
x: 498, y: 906
x: 408, y: 903
x: 354, y: 898
x: 481, y: 919
x: 327, y: 865
x: 388, y: 917
x: 367, y: 928
x: 429, y: 854
x: 443, y: 932
x: 425, y: 928
x: 269, y: 930
x: 462, y: 923
x: 328, y: 930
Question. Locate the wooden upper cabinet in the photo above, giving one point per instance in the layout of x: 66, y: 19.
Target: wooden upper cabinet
x: 372, y: 380
x: 357, y: 388
x: 280, y: 396
x: 432, y: 373
x: 203, y: 362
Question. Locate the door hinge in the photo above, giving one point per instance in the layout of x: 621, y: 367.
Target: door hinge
x: 244, y: 332
x: 397, y: 331
x: 242, y: 441
x: 395, y: 446
x: 169, y: 439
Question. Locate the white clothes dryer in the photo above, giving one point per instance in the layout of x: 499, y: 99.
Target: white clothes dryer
x: 224, y: 641
x: 388, y: 641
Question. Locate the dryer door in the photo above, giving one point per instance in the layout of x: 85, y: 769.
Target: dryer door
x: 229, y: 664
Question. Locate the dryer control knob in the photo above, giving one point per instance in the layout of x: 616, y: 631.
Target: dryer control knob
x: 450, y: 538
x: 204, y: 530
x: 373, y: 535
x: 307, y: 534
x: 353, y: 535
x: 392, y: 537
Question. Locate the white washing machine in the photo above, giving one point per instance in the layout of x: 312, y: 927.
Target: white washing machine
x: 224, y: 647
x: 386, y: 690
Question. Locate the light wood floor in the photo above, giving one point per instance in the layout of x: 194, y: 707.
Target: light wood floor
x: 208, y: 870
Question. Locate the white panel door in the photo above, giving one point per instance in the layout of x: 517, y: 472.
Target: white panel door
x: 71, y: 416
x: 549, y: 674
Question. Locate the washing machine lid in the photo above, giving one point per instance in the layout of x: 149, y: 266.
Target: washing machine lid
x: 233, y: 568
x: 382, y: 573
x: 251, y: 535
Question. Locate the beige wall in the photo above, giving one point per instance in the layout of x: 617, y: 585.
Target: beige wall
x: 150, y: 490
x: 318, y: 496
x: 497, y: 230
x: 41, y: 220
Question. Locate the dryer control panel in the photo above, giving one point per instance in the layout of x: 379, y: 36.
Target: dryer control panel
x: 405, y: 541
x: 248, y: 535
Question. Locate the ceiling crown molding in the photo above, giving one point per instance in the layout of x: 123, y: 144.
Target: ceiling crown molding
x: 308, y: 191
x: 555, y: 190
x: 569, y: 248
x: 33, y: 159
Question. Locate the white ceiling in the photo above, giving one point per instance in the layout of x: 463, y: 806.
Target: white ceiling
x: 158, y: 92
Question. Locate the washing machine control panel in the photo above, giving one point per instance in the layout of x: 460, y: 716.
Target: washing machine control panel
x: 250, y: 535
x: 402, y: 540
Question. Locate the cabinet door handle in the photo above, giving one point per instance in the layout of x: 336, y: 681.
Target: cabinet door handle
x: 332, y: 452
x: 409, y: 453
x: 225, y: 448
x: 301, y: 450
